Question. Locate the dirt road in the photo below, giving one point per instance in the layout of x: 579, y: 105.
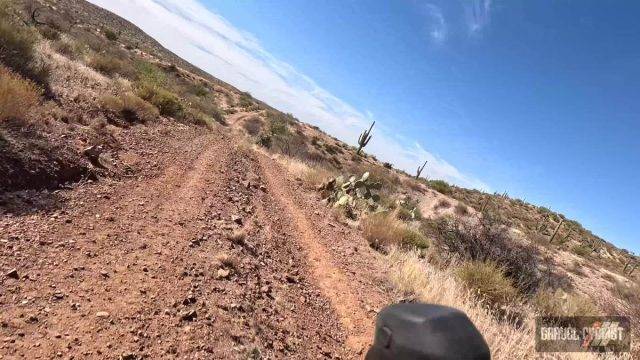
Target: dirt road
x: 208, y: 250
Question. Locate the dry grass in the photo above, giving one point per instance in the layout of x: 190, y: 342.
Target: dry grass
x: 130, y: 107
x: 17, y: 95
x: 488, y: 282
x: 384, y: 231
x: 108, y: 65
x: 228, y: 260
x: 238, y: 236
x: 415, y: 278
x: 461, y: 209
x: 560, y: 303
x: 442, y: 204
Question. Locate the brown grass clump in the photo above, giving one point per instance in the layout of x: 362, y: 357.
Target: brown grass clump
x: 227, y: 260
x: 442, y: 204
x: 238, y: 236
x: 383, y: 231
x: 488, y: 282
x: 461, y: 209
x: 130, y: 107
x: 559, y: 303
x: 17, y: 95
x: 107, y: 65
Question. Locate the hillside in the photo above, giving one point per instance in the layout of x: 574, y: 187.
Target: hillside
x: 150, y: 210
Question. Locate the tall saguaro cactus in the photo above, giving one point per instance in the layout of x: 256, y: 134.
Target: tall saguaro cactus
x: 556, y: 232
x: 420, y: 168
x: 364, y: 138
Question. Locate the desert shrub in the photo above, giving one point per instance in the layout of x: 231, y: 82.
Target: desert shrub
x: 199, y: 118
x: 108, y: 65
x: 110, y: 35
x: 65, y: 48
x: 559, y: 303
x: 17, y: 95
x: 18, y: 54
x: 442, y: 204
x: 278, y: 126
x: 198, y: 90
x: 488, y: 282
x: 408, y: 210
x: 207, y: 107
x: 387, y: 165
x: 487, y: 240
x: 630, y: 294
x: 245, y: 100
x: 150, y: 74
x: 461, y: 209
x: 253, y: 125
x: 383, y: 231
x: 440, y: 186
x: 130, y: 107
x: 167, y: 103
x: 49, y: 33
x: 581, y: 250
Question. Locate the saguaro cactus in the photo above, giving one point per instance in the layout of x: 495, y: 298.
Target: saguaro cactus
x: 364, y: 138
x: 420, y: 168
x: 556, y: 232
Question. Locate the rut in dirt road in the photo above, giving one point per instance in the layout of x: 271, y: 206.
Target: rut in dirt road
x: 148, y: 268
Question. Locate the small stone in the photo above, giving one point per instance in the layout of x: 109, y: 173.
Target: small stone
x: 189, y: 315
x: 236, y: 219
x: 102, y: 314
x: 223, y: 273
x: 104, y: 273
x: 13, y: 273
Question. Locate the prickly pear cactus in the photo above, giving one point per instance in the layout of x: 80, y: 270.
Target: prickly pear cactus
x: 351, y: 193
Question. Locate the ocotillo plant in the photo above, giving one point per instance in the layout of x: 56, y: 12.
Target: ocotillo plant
x: 364, y: 138
x: 420, y: 168
x: 633, y: 268
x: 556, y: 232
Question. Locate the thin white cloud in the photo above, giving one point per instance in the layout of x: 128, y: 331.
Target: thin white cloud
x: 210, y: 42
x: 436, y: 22
x: 477, y: 15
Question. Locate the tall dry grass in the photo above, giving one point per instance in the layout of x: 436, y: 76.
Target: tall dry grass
x: 17, y: 95
x: 414, y: 277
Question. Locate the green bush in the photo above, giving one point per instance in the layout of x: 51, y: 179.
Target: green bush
x: 581, y: 250
x: 440, y: 186
x: 150, y: 75
x: 413, y: 238
x: 167, y: 103
x: 488, y: 282
x: 110, y: 35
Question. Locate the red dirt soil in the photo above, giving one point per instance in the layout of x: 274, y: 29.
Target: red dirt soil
x: 147, y: 267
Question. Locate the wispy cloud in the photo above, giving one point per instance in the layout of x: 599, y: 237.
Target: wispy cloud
x: 477, y: 15
x: 210, y: 42
x: 436, y: 23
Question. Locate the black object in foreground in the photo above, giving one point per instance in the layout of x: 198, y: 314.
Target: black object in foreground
x: 429, y: 332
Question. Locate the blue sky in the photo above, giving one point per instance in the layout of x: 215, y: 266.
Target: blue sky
x: 536, y: 98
